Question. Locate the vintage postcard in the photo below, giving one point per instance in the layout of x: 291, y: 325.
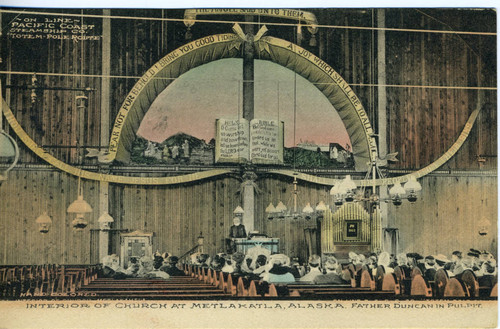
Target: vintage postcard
x: 248, y: 167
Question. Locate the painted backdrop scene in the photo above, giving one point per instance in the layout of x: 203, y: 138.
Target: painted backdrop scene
x: 248, y: 153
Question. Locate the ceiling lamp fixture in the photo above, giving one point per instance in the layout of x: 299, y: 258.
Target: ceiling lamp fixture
x: 105, y: 221
x: 44, y: 222
x: 239, y: 212
x: 345, y: 191
x: 80, y: 207
x: 281, y: 211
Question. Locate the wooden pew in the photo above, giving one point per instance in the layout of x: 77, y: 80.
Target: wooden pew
x: 494, y: 291
x: 477, y: 286
x: 420, y: 287
x: 355, y: 271
x: 231, y: 283
x: 416, y: 271
x: 403, y: 274
x: 222, y: 280
x: 486, y: 284
x: 468, y: 279
x: 391, y: 283
x: 311, y: 290
x: 216, y: 278
x: 367, y: 279
x: 440, y: 281
x: 242, y: 287
x: 379, y: 277
x: 455, y: 288
x: 209, y: 277
x: 258, y: 288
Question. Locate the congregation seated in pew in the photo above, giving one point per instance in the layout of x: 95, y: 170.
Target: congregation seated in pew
x: 414, y: 275
x: 261, y: 266
x: 155, y: 266
x: 170, y: 266
x: 331, y: 276
x: 157, y: 273
x: 111, y: 267
x: 278, y: 270
x: 314, y: 269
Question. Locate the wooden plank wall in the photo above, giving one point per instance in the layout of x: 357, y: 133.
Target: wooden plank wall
x: 23, y: 198
x: 177, y: 215
x: 446, y: 217
x: 53, y: 118
x: 423, y: 121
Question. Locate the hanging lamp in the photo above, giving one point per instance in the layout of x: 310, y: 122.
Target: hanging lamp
x: 79, y: 207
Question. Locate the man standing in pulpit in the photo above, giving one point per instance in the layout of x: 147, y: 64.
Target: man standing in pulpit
x: 237, y: 230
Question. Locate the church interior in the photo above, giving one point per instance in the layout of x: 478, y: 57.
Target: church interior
x: 244, y: 147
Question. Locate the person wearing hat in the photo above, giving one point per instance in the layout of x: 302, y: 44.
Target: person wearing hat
x: 476, y: 258
x: 246, y: 265
x: 145, y: 266
x: 171, y: 267
x: 488, y: 273
x: 278, y: 270
x: 429, y: 262
x: 458, y: 265
x: 353, y: 257
x: 384, y: 260
x: 133, y: 267
x: 356, y: 260
x: 413, y: 259
x: 218, y: 261
x: 442, y: 262
x: 393, y: 262
x: 485, y: 256
x: 107, y: 266
x: 402, y: 260
x: 238, y: 259
x: 260, y: 264
x: 255, y: 251
x: 228, y: 266
x: 203, y: 260
x: 473, y: 262
x: 331, y: 277
x: 296, y: 269
x: 119, y: 272
x: 314, y: 269
x: 372, y: 263
x: 156, y: 272
x: 429, y: 268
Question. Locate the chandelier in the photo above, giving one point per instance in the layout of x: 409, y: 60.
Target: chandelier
x: 281, y: 211
x: 345, y: 191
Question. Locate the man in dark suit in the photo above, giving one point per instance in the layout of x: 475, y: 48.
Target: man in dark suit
x: 237, y: 230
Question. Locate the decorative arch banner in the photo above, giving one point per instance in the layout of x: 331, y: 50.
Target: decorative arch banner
x: 277, y: 50
x: 220, y: 46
